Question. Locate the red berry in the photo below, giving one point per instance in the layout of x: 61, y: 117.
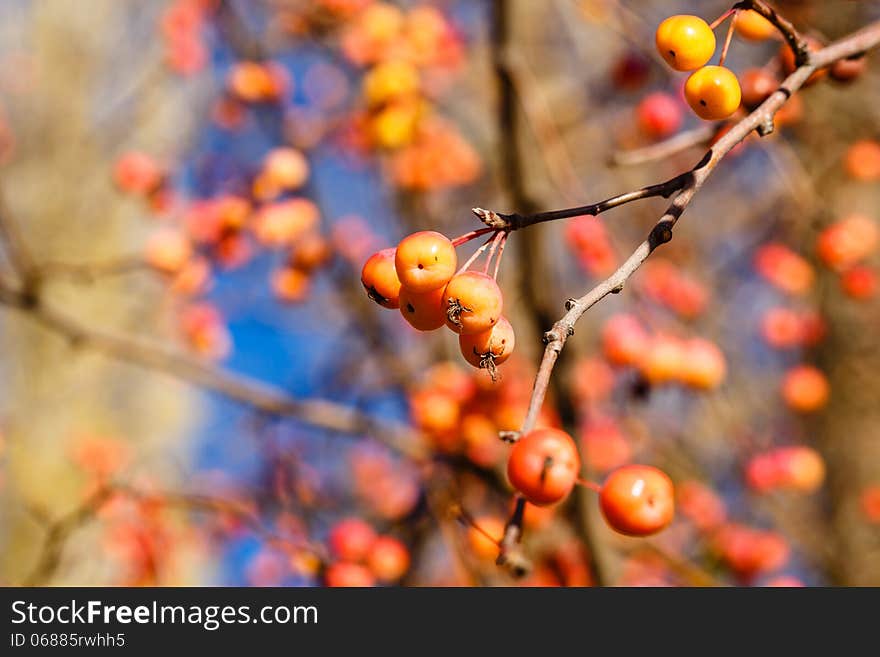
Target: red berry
x: 638, y: 500
x: 544, y: 466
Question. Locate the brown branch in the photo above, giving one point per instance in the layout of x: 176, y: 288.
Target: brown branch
x: 159, y: 357
x: 789, y: 32
x: 762, y: 120
x: 90, y: 272
x: 57, y: 533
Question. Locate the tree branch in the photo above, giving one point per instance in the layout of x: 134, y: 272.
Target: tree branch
x: 761, y: 119
x: 269, y: 399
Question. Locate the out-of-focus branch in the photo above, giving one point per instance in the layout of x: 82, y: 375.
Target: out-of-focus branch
x: 90, y: 272
x: 59, y: 531
x: 666, y: 148
x: 687, y: 185
x: 11, y: 239
x: 155, y: 356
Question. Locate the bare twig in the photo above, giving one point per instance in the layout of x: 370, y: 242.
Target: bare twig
x: 792, y: 37
x: 686, y: 185
x: 155, y: 356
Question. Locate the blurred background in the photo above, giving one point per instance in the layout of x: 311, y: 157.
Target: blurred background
x: 197, y: 391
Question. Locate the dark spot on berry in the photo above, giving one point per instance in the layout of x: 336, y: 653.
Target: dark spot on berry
x: 409, y: 308
x: 421, y: 266
x: 672, y: 53
x: 702, y: 102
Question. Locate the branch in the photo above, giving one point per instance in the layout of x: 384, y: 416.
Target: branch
x: 762, y: 120
x: 792, y: 37
x: 269, y: 399
x: 666, y: 148
x: 19, y: 255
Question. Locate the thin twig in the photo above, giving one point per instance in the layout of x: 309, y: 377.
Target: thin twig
x: 691, y: 182
x: 699, y: 136
x: 159, y: 357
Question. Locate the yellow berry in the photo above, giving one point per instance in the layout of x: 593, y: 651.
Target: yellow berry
x: 713, y: 93
x: 685, y: 42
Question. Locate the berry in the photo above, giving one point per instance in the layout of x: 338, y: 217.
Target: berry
x: 805, y: 389
x: 473, y: 303
x: 490, y: 347
x: 347, y: 574
x: 757, y: 86
x: 862, y: 161
x: 713, y: 93
x: 637, y: 500
x: 847, y: 242
x: 351, y: 539
x: 685, y: 42
x: 486, y: 548
x: 624, y: 341
x: 425, y: 311
x: 786, y: 59
x: 379, y: 278
x: 847, y: 70
x: 544, y: 466
x: 388, y: 559
x: 425, y: 261
x: 659, y: 115
x: 754, y: 27
x: 703, y: 366
x: 859, y: 283
x: 663, y: 361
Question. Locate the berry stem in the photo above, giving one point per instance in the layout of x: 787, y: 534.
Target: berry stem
x: 592, y: 485
x: 727, y: 40
x: 723, y: 17
x: 500, y: 253
x: 476, y: 255
x: 467, y: 237
x: 496, y: 240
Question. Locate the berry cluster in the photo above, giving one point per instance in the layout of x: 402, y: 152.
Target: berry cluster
x: 687, y: 43
x: 420, y: 277
x: 636, y: 500
x: 361, y: 557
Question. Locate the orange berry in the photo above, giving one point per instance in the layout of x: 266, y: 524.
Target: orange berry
x: 350, y: 539
x: 805, y: 389
x: 784, y: 268
x: 490, y: 347
x: 685, y: 42
x: 425, y: 311
x: 137, y: 173
x: 291, y: 284
x: 786, y: 58
x: 703, y: 366
x: 713, y: 92
x: 473, y: 303
x: 425, y: 261
x: 544, y: 466
x: 282, y: 223
x: 659, y: 115
x: 663, y: 361
x: 847, y: 242
x: 168, y: 251
x: 862, y: 160
x: 484, y: 547
x: 638, y: 500
x: 847, y: 70
x: 390, y: 80
x: 624, y: 341
x: 287, y: 168
x: 312, y: 251
x: 800, y: 468
x: 347, y: 574
x: 757, y: 86
x: 379, y: 278
x: 754, y: 27
x: 859, y: 283
x: 388, y: 558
